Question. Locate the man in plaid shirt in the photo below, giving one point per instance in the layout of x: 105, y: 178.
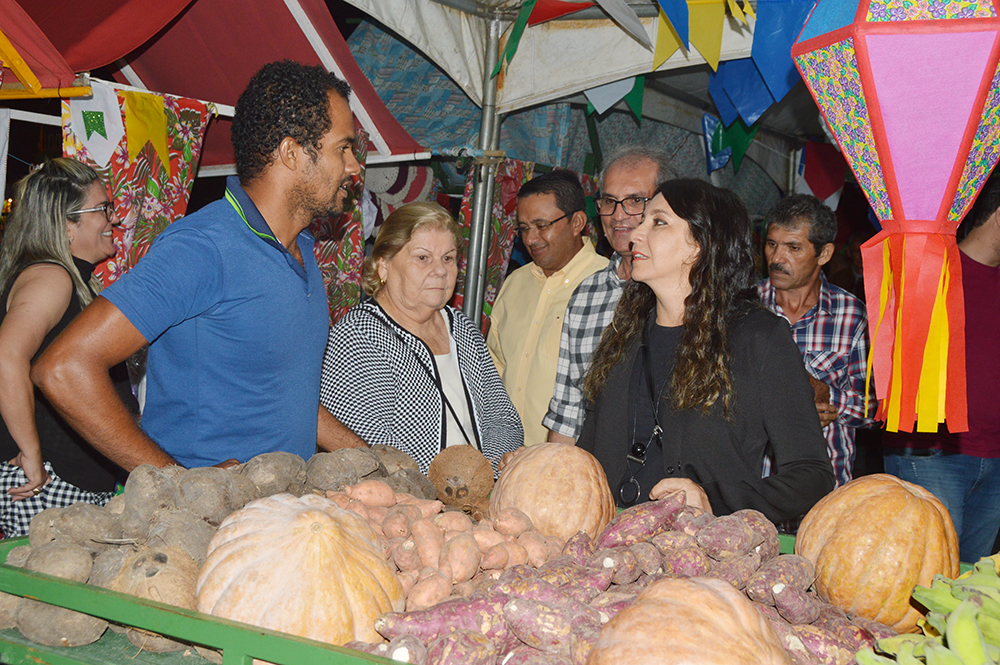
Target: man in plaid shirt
x: 627, y: 181
x: 829, y: 324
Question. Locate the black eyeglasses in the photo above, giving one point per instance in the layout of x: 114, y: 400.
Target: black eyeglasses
x: 632, y: 205
x: 106, y: 208
x: 629, y: 488
x: 523, y: 229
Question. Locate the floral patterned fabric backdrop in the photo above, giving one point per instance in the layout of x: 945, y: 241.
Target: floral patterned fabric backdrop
x: 340, y: 245
x: 147, y: 195
x: 511, y: 174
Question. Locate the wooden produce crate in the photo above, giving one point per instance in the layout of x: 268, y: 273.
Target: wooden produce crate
x: 240, y: 643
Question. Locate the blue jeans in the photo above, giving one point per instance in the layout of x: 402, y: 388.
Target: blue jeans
x: 969, y: 487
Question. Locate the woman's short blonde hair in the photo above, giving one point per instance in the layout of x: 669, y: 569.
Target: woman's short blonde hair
x: 396, y: 231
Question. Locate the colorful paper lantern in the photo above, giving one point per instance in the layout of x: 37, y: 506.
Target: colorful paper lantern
x: 910, y: 90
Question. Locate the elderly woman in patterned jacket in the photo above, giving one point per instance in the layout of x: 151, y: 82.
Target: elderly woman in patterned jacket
x: 405, y: 370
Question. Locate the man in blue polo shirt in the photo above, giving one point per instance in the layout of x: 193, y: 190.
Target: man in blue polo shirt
x: 230, y: 299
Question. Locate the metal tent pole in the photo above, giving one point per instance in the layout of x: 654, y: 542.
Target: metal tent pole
x: 482, y: 199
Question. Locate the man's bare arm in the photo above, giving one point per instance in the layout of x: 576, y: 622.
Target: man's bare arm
x: 73, y: 374
x: 331, y: 434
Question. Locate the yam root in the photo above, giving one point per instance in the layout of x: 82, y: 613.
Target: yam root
x: 725, y: 537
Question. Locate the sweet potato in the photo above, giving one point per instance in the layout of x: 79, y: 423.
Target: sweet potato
x: 482, y: 613
x: 407, y: 649
x: 641, y: 522
x: 824, y: 645
x: 463, y: 555
x: 875, y: 629
x: 649, y: 557
x: 516, y: 554
x: 540, y: 625
x: 736, y: 569
x: 533, y: 588
x: 518, y: 571
x: 561, y: 570
x: 691, y: 520
x: 613, y: 601
x: 534, y: 544
x: 428, y: 507
x: 686, y: 562
x: 428, y: 539
x: 790, y: 640
x: 579, y: 546
x: 453, y: 520
x: 793, y: 604
x: 338, y: 497
x: 619, y: 559
x: 462, y: 647
x: 486, y: 536
x: 592, y: 579
x: 429, y: 590
x: 512, y: 522
x: 581, y: 643
x: 408, y: 578
x: 854, y: 636
x: 553, y: 547
x: 790, y: 569
x: 404, y: 554
x: 525, y: 655
x: 360, y: 509
x: 372, y: 492
x: 396, y: 524
x: 495, y: 558
x: 373, y: 648
x: 668, y: 541
x: 725, y: 537
x: 764, y: 531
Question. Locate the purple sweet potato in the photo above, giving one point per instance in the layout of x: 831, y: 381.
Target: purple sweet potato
x: 517, y: 572
x: 641, y: 522
x: 620, y: 560
x: 686, y: 562
x: 525, y: 655
x: 579, y: 546
x: 462, y: 647
x: 561, y: 570
x: 374, y: 648
x: 481, y: 613
x: 736, y: 569
x: 790, y: 640
x: 691, y: 520
x: 824, y: 645
x: 649, y: 557
x: 876, y: 629
x: 668, y: 541
x: 592, y: 579
x: 852, y: 635
x: 764, y: 530
x: 613, y: 601
x: 793, y: 604
x: 544, y: 592
x: 581, y: 643
x: 540, y: 625
x: 725, y: 537
x: 407, y: 649
x: 790, y: 569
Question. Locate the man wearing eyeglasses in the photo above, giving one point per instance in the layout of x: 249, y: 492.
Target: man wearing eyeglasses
x: 628, y: 180
x: 527, y: 317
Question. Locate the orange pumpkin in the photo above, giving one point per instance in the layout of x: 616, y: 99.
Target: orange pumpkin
x: 872, y: 541
x: 701, y: 620
x: 302, y: 566
x: 562, y: 489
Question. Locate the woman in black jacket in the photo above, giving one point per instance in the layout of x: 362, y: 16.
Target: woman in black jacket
x: 694, y: 383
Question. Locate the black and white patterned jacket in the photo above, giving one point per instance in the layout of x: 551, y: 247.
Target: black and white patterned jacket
x: 374, y: 383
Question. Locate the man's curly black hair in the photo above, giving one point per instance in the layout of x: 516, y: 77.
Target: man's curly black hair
x: 282, y: 99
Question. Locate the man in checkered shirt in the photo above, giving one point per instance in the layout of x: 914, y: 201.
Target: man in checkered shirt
x: 829, y: 324
x: 628, y: 180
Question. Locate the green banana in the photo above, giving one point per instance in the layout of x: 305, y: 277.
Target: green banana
x: 937, y: 599
x: 936, y: 654
x: 981, y: 596
x: 940, y: 581
x: 892, y: 645
x: 979, y: 580
x: 990, y: 627
x: 986, y: 566
x: 937, y: 621
x: 906, y: 655
x: 963, y: 636
x: 869, y: 657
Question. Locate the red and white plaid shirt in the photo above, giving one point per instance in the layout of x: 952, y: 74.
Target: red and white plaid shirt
x: 833, y: 339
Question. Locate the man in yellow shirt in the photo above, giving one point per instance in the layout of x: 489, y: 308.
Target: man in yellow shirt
x: 526, y: 323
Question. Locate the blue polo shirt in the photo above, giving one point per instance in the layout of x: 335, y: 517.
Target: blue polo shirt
x: 237, y: 330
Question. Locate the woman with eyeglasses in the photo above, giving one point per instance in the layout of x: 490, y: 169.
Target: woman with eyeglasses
x: 403, y: 368
x: 694, y: 382
x: 59, y: 229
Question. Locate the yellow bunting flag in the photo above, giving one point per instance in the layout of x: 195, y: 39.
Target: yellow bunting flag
x: 734, y: 9
x: 705, y: 21
x: 748, y: 9
x: 667, y: 41
x: 146, y: 122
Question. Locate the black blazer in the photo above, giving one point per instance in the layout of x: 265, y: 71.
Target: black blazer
x: 773, y: 412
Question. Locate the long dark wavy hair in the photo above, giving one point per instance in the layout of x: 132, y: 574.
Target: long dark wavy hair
x: 722, y: 290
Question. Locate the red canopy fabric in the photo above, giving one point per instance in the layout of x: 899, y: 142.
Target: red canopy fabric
x: 44, y: 59
x: 95, y: 33
x: 213, y: 48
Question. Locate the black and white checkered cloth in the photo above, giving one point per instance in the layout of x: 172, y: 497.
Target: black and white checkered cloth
x: 589, y: 312
x: 374, y: 383
x: 15, y: 516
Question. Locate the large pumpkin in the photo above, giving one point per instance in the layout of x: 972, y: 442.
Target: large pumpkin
x: 562, y: 489
x: 872, y: 541
x: 701, y: 620
x: 299, y: 565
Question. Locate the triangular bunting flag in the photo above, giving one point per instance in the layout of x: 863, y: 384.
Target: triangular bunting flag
x: 622, y: 14
x: 634, y: 97
x: 676, y: 12
x: 605, y: 96
x: 546, y: 10
x: 104, y: 101
x: 706, y: 21
x: 516, y: 30
x: 667, y: 41
x: 146, y: 122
